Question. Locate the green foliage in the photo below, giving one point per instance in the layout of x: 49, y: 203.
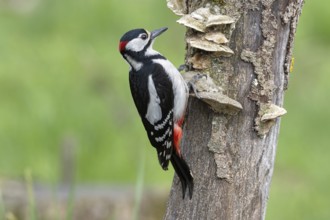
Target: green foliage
x: 31, y: 198
x: 300, y: 188
x: 61, y: 76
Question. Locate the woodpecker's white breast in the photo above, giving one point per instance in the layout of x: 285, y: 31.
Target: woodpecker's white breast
x: 180, y: 88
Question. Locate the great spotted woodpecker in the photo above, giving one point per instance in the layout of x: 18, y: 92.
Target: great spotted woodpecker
x: 160, y: 95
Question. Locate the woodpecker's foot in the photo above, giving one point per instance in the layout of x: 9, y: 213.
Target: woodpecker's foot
x: 192, y: 83
x: 198, y: 76
x: 182, y: 67
x: 192, y: 88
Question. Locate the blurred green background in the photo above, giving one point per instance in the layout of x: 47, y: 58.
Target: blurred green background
x: 62, y: 80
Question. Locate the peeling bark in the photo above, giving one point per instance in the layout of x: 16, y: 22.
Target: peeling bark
x: 232, y: 155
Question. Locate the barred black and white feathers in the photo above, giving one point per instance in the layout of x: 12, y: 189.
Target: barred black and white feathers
x: 160, y: 95
x: 155, y: 107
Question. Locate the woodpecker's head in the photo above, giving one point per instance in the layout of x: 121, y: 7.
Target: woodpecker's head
x: 138, y: 41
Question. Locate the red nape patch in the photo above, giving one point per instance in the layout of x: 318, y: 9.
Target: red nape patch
x: 177, y: 139
x: 122, y: 45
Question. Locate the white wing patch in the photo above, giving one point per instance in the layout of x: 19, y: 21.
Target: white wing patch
x: 180, y: 88
x: 154, y: 112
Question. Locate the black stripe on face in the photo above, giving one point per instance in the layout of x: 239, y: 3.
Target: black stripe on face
x: 148, y: 44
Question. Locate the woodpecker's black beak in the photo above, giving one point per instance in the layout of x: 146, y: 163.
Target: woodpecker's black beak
x: 157, y: 32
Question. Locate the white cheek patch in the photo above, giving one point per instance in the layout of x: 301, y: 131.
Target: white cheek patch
x: 136, y: 44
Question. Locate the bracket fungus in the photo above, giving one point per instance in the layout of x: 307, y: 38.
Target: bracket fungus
x: 199, y: 61
x: 208, y: 24
x: 272, y: 112
x: 203, y: 18
x: 210, y: 46
x: 178, y: 7
x: 267, y: 117
x: 220, y: 103
x: 206, y: 38
x: 216, y: 37
x: 207, y: 91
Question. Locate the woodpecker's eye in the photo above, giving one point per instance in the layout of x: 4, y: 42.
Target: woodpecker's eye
x: 144, y: 36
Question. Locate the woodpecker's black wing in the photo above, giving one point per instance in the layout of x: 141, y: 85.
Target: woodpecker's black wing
x: 163, y: 138
x: 138, y: 81
x: 153, y: 97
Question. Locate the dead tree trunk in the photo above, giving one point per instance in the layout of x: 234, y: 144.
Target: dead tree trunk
x: 245, y: 47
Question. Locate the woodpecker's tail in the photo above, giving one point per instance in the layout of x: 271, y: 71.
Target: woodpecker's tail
x: 182, y: 170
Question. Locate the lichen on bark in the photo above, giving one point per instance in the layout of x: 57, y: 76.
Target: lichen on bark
x: 217, y: 145
x: 262, y: 60
x: 291, y: 17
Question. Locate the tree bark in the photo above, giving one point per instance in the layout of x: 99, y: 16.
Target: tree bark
x: 232, y: 156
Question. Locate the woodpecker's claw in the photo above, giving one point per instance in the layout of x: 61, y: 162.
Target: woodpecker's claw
x: 193, y: 88
x: 182, y: 67
x: 199, y: 76
x: 192, y: 83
